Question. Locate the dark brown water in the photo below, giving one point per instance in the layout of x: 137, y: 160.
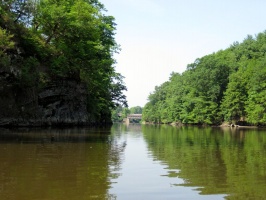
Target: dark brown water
x: 133, y: 162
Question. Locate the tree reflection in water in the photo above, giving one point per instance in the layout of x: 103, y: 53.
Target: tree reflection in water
x: 58, y: 163
x: 213, y: 160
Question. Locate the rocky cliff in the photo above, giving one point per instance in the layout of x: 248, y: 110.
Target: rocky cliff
x: 61, y: 102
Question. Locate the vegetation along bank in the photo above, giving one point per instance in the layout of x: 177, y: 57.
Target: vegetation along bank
x: 56, y: 63
x: 226, y: 86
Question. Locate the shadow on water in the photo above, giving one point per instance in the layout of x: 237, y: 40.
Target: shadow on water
x: 76, y: 163
x: 212, y: 160
x: 40, y: 135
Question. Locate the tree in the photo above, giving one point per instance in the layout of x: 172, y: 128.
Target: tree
x: 227, y: 85
x: 63, y: 39
x: 235, y: 97
x: 256, y: 102
x: 136, y: 110
x: 6, y: 44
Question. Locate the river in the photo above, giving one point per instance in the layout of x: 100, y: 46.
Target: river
x: 132, y: 162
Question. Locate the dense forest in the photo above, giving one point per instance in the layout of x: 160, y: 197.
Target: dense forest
x: 45, y: 40
x: 226, y: 86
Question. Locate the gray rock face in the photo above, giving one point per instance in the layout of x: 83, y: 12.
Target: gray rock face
x: 62, y: 102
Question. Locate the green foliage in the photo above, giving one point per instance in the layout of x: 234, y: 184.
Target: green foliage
x: 233, y: 104
x: 228, y: 85
x: 120, y: 113
x: 256, y: 102
x: 117, y: 114
x: 136, y: 110
x: 47, y: 40
x: 6, y: 44
x: 215, y: 161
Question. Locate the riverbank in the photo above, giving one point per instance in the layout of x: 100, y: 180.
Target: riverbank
x: 223, y: 125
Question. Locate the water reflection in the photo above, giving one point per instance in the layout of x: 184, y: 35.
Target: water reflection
x: 133, y: 162
x: 213, y: 160
x: 58, y: 163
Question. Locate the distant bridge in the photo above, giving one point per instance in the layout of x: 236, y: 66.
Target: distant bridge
x: 133, y: 116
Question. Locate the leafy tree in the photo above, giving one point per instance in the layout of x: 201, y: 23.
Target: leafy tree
x: 235, y: 97
x: 6, y: 44
x: 47, y: 40
x: 152, y: 112
x: 256, y: 102
x: 226, y: 85
x: 136, y: 110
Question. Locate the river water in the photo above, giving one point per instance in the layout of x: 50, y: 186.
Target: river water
x: 132, y: 162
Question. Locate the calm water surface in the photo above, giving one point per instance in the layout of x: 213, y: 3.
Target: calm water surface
x: 132, y: 162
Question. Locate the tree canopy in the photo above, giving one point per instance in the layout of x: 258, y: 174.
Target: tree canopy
x: 45, y: 40
x: 225, y: 86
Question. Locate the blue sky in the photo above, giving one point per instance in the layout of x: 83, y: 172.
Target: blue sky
x: 158, y: 37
